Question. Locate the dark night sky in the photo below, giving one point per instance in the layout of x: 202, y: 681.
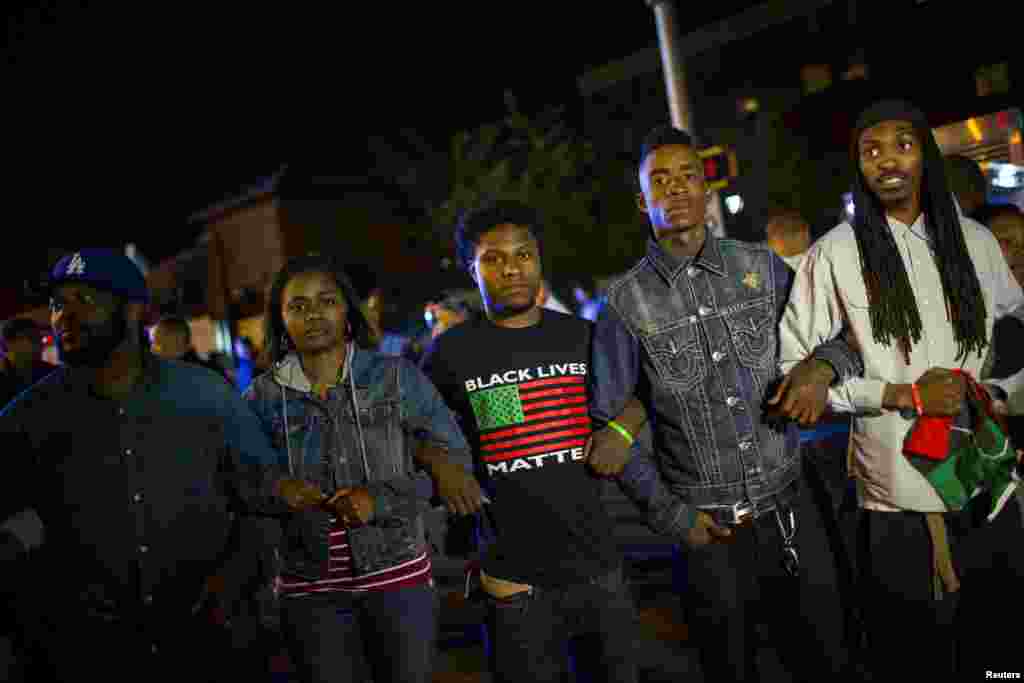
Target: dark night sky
x: 123, y: 122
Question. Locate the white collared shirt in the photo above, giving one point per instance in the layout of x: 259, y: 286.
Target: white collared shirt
x: 795, y: 260
x: 829, y: 294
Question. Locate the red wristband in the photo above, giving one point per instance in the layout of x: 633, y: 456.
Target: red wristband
x: 918, y: 404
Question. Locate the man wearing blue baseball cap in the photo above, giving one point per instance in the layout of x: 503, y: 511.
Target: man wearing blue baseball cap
x: 106, y: 282
x: 127, y: 478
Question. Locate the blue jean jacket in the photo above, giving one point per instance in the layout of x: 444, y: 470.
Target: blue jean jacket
x: 142, y: 495
x: 697, y: 343
x: 321, y: 441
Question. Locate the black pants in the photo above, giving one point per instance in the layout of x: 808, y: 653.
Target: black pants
x: 834, y: 490
x: 733, y: 585
x: 530, y: 632
x: 73, y: 648
x: 11, y: 662
x: 11, y: 657
x: 909, y: 632
x: 836, y: 496
x: 383, y: 636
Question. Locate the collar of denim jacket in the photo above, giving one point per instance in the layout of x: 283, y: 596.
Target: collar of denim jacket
x: 289, y: 373
x: 709, y: 258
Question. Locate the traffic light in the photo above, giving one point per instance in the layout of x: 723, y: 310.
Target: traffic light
x: 719, y: 166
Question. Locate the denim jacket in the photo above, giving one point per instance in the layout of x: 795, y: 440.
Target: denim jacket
x: 697, y: 343
x: 324, y: 442
x: 143, y: 497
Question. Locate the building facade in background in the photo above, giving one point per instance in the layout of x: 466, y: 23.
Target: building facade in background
x: 221, y: 284
x: 782, y: 82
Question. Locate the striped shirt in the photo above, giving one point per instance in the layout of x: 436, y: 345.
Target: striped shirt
x: 340, y: 577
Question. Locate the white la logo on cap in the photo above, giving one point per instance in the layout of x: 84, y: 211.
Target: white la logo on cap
x: 76, y: 266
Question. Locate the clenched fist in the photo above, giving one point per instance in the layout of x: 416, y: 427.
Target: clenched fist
x: 458, y: 488
x: 803, y: 394
x: 299, y: 494
x: 942, y: 392
x: 705, y: 530
x: 607, y: 452
x: 353, y: 507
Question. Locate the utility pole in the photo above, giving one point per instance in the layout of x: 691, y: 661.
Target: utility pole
x: 679, y: 103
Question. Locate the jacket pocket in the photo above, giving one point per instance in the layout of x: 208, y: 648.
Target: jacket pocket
x: 753, y: 336
x: 677, y: 356
x: 381, y: 430
x: 304, y: 544
x: 289, y: 436
x: 386, y: 543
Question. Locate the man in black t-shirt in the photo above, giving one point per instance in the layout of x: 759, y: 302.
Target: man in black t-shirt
x: 517, y: 381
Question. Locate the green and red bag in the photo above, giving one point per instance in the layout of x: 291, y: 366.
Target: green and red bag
x: 966, y: 455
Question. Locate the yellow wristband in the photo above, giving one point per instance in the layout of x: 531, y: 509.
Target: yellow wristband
x: 622, y: 431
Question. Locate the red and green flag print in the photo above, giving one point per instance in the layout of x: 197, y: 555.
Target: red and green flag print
x: 532, y: 419
x: 962, y: 457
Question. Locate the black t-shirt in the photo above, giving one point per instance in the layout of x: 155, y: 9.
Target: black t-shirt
x: 520, y: 396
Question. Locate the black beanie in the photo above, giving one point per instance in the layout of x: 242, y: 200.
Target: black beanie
x: 890, y: 110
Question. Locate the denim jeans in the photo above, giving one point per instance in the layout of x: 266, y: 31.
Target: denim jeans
x: 735, y: 584
x: 531, y: 631
x: 378, y: 636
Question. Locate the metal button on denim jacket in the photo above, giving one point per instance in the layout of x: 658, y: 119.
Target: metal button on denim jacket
x: 698, y: 343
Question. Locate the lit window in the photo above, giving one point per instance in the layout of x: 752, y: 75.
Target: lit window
x: 1007, y: 176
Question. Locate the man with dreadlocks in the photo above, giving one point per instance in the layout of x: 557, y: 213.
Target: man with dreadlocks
x: 918, y: 286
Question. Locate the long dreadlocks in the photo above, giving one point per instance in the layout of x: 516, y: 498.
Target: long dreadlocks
x: 893, y: 307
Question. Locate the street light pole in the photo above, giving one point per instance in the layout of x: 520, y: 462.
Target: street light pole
x: 675, y: 86
x: 672, y: 64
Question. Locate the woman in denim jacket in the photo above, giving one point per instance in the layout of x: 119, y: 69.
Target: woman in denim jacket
x: 364, y: 437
